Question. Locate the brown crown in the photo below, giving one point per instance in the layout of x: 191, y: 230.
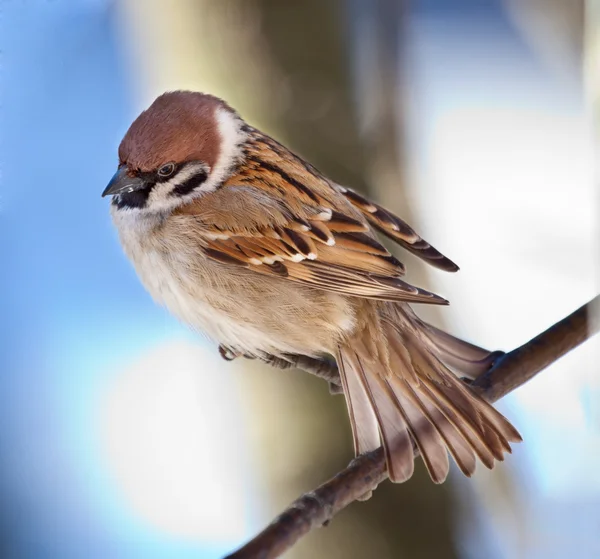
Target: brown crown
x: 179, y: 126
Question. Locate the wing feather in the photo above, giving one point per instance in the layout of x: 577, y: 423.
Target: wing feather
x: 319, y: 237
x: 398, y: 230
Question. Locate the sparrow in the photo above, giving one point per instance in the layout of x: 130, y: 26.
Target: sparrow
x: 250, y: 244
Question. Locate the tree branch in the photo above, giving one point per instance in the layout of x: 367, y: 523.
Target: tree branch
x: 365, y: 473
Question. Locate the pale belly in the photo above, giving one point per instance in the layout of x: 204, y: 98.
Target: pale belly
x: 240, y: 309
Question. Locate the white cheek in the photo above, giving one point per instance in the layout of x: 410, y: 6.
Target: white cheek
x: 230, y: 153
x: 162, y: 199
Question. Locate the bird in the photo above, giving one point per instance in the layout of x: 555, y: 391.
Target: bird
x: 248, y: 243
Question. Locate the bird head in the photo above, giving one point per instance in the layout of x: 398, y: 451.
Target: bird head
x: 184, y: 145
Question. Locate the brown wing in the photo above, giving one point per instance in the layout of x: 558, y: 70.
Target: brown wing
x: 398, y: 230
x: 315, y: 237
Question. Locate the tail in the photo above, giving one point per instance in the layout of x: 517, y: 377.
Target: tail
x: 399, y: 394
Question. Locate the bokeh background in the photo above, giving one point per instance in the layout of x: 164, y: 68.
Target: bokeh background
x: 123, y: 435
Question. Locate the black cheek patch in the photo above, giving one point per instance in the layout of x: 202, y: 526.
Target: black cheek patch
x: 190, y: 184
x: 136, y: 199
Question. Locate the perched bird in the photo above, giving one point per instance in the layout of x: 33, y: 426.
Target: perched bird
x: 247, y: 242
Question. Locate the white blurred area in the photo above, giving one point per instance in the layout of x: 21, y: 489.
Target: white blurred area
x: 172, y: 435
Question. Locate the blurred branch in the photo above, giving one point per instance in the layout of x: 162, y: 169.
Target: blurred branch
x: 552, y: 28
x: 365, y: 473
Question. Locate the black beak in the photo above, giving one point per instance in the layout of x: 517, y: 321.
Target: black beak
x: 122, y: 183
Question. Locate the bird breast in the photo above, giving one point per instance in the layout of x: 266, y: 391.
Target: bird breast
x: 233, y: 306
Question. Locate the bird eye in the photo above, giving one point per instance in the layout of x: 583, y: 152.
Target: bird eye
x: 167, y: 170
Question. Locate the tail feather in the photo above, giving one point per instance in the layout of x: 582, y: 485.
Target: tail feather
x: 400, y: 393
x: 362, y: 416
x: 500, y: 423
x: 483, y: 451
x: 447, y: 401
x: 445, y: 392
x: 461, y: 452
x: 392, y: 428
x: 424, y: 433
x: 468, y: 359
x: 478, y: 408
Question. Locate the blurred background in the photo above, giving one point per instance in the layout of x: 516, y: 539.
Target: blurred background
x: 123, y: 435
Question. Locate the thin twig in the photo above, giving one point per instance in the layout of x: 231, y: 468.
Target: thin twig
x: 366, y: 472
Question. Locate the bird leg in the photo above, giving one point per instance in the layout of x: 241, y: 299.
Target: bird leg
x: 486, y: 365
x: 324, y: 367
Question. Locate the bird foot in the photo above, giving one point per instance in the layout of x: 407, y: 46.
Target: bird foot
x: 228, y: 354
x: 494, y: 359
x: 335, y: 388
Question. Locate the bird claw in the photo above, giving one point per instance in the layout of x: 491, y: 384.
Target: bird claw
x: 227, y: 353
x: 494, y: 358
x: 366, y: 496
x: 335, y: 389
